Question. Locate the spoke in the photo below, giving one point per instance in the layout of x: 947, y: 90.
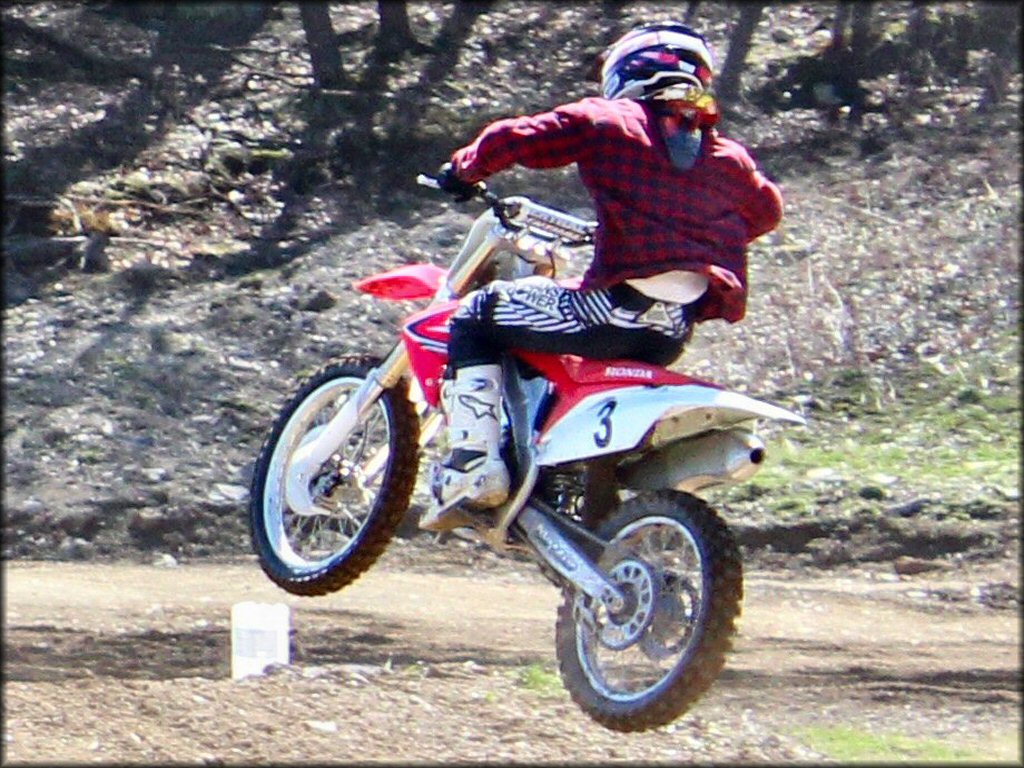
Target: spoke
x: 357, y: 466
x: 346, y: 488
x: 349, y: 524
x: 356, y: 445
x: 315, y: 539
x: 374, y: 466
x: 676, y: 564
x: 298, y: 526
x: 367, y: 430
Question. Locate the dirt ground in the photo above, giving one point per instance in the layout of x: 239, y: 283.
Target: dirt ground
x: 434, y: 657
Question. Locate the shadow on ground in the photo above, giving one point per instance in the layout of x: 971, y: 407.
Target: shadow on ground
x: 54, y: 654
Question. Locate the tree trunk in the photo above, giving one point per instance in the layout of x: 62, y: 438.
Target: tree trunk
x: 394, y: 33
x: 322, y: 44
x: 999, y: 33
x: 728, y: 87
x: 840, y: 21
x: 470, y: 9
x: 860, y: 33
x: 613, y: 9
x: 914, y: 71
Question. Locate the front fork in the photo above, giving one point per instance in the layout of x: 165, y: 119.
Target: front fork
x: 547, y: 539
x: 312, y: 453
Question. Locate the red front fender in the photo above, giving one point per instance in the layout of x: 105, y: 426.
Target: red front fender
x: 412, y: 281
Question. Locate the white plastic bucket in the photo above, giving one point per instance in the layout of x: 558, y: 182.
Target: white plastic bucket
x: 259, y: 637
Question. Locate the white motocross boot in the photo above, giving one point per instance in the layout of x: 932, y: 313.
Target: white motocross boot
x: 473, y: 473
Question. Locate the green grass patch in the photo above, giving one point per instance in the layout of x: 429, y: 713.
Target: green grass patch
x: 850, y: 744
x: 908, y: 452
x: 91, y: 455
x: 930, y: 432
x: 540, y: 680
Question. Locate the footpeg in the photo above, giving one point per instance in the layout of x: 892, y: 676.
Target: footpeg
x: 444, y: 518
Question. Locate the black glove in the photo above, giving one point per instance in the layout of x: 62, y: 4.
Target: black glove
x: 453, y: 185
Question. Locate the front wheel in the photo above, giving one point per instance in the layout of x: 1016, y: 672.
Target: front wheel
x: 361, y: 493
x: 679, y: 569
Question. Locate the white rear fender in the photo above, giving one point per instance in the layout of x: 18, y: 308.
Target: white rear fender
x: 617, y: 420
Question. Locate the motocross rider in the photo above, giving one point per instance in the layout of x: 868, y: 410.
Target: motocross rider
x: 676, y: 204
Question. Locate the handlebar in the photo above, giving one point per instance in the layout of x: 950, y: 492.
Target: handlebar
x: 427, y: 181
x: 480, y: 190
x: 572, y: 230
x: 504, y: 211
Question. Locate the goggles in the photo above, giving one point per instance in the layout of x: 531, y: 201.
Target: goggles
x: 692, y: 96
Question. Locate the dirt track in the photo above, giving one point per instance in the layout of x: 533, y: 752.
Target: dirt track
x: 129, y: 663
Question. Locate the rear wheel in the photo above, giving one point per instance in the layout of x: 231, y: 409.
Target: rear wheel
x: 361, y: 492
x: 679, y: 569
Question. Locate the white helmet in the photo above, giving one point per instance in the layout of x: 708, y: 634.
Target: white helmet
x: 666, y: 61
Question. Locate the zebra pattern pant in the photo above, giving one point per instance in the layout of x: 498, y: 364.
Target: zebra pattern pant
x: 539, y: 315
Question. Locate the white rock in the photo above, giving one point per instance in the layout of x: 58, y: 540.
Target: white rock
x: 155, y: 474
x: 314, y: 672
x: 820, y: 473
x: 233, y: 492
x: 324, y: 726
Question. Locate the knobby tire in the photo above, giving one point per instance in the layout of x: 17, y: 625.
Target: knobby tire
x: 688, y: 683
x: 391, y: 503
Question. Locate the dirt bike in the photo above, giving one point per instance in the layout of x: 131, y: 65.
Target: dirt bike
x: 605, y: 457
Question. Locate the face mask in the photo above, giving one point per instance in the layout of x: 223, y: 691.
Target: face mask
x: 683, y: 142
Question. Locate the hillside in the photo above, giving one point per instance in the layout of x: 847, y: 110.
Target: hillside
x: 213, y: 211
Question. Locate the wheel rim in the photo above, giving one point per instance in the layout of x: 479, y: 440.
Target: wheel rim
x: 662, y: 642
x: 347, y: 486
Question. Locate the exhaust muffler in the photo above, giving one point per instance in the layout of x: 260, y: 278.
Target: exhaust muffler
x: 715, y: 458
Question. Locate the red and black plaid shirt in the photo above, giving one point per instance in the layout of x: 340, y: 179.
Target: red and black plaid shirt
x: 653, y: 217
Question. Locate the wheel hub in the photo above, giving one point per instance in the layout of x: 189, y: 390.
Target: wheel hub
x: 624, y: 628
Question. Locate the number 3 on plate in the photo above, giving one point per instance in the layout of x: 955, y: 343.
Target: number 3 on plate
x: 604, y: 416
